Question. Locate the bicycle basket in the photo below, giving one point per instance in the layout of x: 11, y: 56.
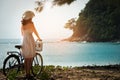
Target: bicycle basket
x: 39, y: 45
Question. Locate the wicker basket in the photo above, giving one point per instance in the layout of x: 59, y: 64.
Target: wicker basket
x: 39, y: 45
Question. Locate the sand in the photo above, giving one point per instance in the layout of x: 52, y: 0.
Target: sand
x: 109, y: 72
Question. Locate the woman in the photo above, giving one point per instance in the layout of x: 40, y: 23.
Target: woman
x: 28, y: 45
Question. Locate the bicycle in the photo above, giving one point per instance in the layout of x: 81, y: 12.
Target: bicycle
x: 14, y: 61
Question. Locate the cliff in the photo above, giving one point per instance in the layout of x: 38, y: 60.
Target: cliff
x: 98, y: 21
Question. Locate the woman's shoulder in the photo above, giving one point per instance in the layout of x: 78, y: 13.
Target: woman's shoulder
x: 28, y: 26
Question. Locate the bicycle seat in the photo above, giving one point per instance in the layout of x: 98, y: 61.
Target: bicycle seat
x: 18, y: 46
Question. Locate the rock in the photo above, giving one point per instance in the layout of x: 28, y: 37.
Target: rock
x: 2, y: 77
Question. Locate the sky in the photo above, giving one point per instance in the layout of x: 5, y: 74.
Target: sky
x: 49, y: 23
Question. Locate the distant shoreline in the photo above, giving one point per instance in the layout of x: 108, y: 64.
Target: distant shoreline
x: 78, y: 39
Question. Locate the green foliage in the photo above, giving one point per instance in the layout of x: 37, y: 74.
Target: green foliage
x: 70, y: 24
x: 41, y: 3
x: 99, y: 21
x: 12, y: 74
x: 45, y: 75
x: 62, y: 2
x: 40, y: 6
x: 46, y: 72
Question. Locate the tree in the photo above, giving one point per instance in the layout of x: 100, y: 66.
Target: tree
x: 70, y: 24
x: 40, y: 6
x: 98, y: 21
x: 41, y: 3
x: 62, y: 2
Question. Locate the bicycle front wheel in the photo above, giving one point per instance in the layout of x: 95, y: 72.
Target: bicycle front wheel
x: 37, y: 64
x: 11, y: 65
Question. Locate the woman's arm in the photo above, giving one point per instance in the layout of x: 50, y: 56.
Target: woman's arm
x: 36, y: 33
x: 22, y: 30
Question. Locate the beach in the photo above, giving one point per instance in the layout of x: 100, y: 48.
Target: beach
x: 106, y: 72
x: 88, y: 73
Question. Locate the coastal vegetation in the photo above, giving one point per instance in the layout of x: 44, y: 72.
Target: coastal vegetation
x: 94, y: 72
x: 98, y: 21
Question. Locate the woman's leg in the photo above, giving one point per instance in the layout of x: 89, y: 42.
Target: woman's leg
x: 28, y: 66
x: 30, y: 62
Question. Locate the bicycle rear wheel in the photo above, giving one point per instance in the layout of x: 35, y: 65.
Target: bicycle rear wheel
x: 37, y: 64
x: 11, y: 65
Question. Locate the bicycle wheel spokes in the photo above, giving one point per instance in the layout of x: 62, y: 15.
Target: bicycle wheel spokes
x: 11, y: 65
x: 37, y: 65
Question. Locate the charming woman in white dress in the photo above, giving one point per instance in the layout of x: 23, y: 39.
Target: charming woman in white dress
x: 28, y: 45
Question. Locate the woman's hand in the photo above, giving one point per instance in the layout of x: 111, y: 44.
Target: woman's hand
x: 39, y: 39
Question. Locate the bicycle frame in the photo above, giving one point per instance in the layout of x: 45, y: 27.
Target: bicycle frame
x: 18, y: 54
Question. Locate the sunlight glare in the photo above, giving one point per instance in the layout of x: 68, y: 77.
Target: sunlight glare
x: 50, y: 25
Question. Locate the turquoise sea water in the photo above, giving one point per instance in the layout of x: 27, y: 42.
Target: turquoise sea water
x: 71, y: 53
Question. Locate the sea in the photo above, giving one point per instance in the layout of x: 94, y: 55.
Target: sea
x: 63, y: 53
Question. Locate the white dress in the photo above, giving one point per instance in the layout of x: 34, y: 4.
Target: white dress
x: 28, y: 45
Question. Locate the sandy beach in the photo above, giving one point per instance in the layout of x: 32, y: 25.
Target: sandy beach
x: 109, y: 72
x: 88, y: 73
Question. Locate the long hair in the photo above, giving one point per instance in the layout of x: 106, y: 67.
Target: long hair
x: 24, y: 22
